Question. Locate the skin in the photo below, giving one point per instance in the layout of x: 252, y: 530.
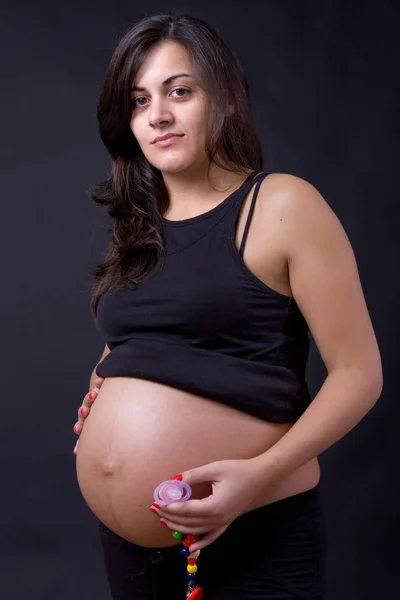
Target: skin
x: 158, y: 110
x: 84, y: 409
x: 182, y: 108
x: 297, y: 246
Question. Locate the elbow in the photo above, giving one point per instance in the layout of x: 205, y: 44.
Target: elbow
x: 378, y: 385
x: 372, y: 376
x: 373, y: 379
x: 370, y: 381
x: 375, y: 373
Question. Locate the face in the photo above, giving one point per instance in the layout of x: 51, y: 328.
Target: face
x: 177, y: 106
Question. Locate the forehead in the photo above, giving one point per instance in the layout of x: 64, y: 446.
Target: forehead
x: 164, y: 60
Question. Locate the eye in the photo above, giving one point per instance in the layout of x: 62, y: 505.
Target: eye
x: 134, y: 101
x: 181, y: 90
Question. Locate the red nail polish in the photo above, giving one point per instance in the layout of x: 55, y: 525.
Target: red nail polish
x: 91, y: 396
x: 177, y: 477
x: 156, y: 505
x: 163, y: 522
x: 81, y: 410
x: 153, y: 510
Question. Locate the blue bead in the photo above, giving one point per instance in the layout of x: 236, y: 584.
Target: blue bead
x: 191, y: 576
x: 185, y: 552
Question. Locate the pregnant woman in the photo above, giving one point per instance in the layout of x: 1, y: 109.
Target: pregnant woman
x: 216, y: 271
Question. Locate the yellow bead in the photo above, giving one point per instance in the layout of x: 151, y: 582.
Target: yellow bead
x: 192, y: 568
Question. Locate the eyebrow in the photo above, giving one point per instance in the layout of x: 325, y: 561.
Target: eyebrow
x: 164, y: 83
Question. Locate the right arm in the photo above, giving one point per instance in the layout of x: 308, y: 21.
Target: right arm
x: 94, y: 386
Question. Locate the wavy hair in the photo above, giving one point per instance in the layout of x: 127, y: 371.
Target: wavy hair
x: 134, y: 192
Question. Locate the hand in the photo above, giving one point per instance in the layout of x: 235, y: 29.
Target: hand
x: 235, y: 484
x: 84, y: 409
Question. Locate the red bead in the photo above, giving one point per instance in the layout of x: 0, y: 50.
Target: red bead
x: 197, y: 594
x: 192, y: 561
x: 190, y: 539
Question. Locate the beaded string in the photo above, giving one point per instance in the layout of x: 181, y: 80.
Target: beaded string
x: 175, y: 490
x: 194, y: 591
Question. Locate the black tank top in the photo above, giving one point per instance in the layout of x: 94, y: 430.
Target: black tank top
x: 206, y: 324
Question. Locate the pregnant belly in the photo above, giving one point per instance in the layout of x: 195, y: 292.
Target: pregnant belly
x: 140, y: 433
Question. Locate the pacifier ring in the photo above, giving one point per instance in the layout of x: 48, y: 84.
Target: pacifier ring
x: 172, y: 491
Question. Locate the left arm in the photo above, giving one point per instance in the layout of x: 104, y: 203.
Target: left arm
x: 325, y: 283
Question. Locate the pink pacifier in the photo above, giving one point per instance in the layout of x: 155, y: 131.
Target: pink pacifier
x: 172, y: 490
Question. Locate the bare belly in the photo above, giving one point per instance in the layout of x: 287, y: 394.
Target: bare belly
x: 140, y: 433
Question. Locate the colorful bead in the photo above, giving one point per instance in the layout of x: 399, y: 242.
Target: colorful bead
x: 192, y: 568
x: 193, y: 591
x: 190, y: 539
x: 197, y: 594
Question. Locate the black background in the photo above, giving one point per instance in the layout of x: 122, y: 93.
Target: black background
x: 324, y: 79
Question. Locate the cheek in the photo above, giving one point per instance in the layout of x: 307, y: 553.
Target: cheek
x: 200, y: 125
x: 134, y: 126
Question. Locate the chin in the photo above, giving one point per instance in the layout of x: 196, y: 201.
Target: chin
x: 173, y: 166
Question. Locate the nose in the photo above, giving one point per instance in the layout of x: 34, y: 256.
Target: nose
x: 159, y: 113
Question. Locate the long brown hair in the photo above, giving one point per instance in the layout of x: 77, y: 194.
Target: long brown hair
x: 134, y: 192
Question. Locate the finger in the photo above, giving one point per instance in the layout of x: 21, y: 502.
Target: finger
x: 76, y: 447
x: 83, y: 412
x: 84, y: 409
x: 78, y: 428
x: 183, y: 529
x: 196, y: 508
x: 91, y: 397
x: 208, y: 539
x: 204, y: 521
x: 190, y: 525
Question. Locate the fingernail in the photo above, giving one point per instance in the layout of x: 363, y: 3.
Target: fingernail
x: 177, y: 477
x: 74, y: 451
x: 91, y: 396
x: 81, y: 410
x: 156, y: 505
x: 153, y: 510
x: 163, y: 522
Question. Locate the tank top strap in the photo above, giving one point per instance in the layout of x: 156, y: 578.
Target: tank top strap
x: 259, y: 179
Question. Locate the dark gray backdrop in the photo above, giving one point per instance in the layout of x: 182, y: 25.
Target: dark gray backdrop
x: 324, y: 83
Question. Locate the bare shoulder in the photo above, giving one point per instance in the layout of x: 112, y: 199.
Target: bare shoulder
x: 289, y: 192
x: 298, y: 209
x: 323, y: 276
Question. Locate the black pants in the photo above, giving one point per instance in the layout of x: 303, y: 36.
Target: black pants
x: 276, y: 552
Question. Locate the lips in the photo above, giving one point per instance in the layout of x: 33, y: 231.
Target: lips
x: 167, y: 136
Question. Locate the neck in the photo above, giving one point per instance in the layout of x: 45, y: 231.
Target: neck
x: 193, y: 193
